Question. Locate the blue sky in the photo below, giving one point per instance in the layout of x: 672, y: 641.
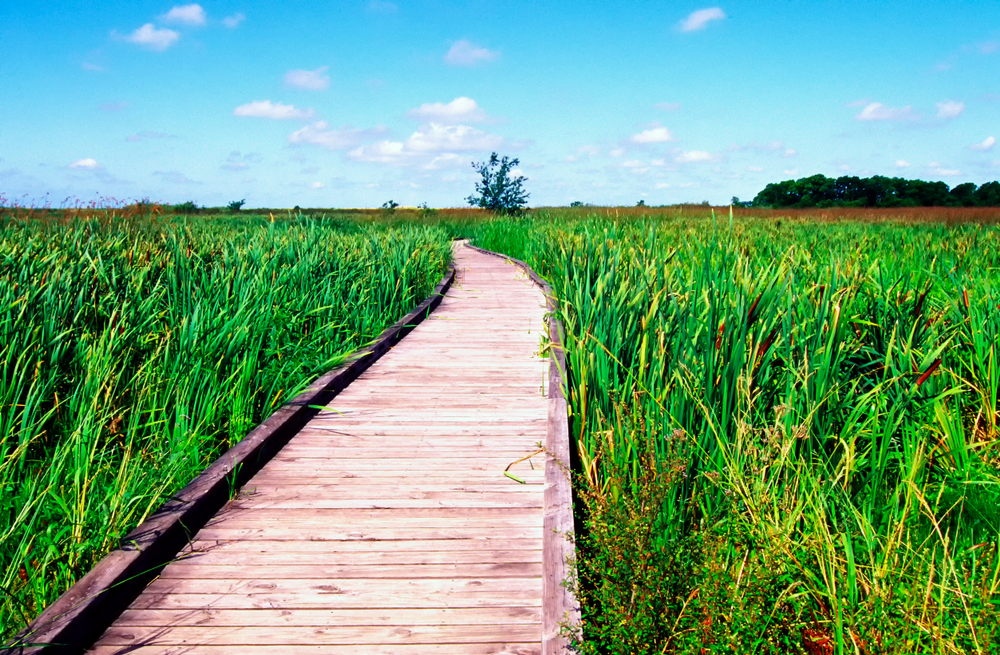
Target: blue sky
x: 350, y: 104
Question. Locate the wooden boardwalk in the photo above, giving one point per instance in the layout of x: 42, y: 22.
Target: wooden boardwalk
x: 387, y: 525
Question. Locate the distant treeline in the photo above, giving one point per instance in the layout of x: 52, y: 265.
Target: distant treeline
x: 877, y: 191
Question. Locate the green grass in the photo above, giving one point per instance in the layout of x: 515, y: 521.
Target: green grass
x: 787, y: 430
x: 138, y: 348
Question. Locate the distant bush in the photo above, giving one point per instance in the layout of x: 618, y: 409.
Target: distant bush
x: 186, y: 208
x: 236, y: 205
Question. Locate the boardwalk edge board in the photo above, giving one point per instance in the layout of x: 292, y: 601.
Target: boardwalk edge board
x: 77, y: 618
x: 559, y: 605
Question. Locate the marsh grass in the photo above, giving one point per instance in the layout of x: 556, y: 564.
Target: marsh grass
x: 136, y: 347
x: 787, y: 429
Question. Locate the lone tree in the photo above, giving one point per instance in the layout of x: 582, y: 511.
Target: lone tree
x: 498, y: 191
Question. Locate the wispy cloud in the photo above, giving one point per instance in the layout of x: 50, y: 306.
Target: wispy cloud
x: 876, y: 111
x: 985, y: 146
x: 148, y: 36
x: 466, y: 53
x: 655, y: 134
x: 96, y: 68
x: 88, y: 164
x: 949, y: 109
x: 382, y: 7
x: 148, y: 134
x: 692, y: 156
x: 935, y: 168
x: 237, y: 161
x: 114, y: 106
x: 192, y: 14
x: 700, y: 19
x: 432, y: 146
x: 176, y: 177
x: 321, y: 134
x: 902, y: 163
x: 451, y: 138
x: 315, y: 80
x: 459, y: 110
x: 232, y: 22
x: 274, y: 111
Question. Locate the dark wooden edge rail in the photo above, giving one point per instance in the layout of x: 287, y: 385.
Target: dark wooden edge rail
x: 559, y: 605
x: 81, y: 615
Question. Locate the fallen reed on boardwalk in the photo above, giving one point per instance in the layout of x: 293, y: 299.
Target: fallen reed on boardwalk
x: 787, y: 433
x: 134, y: 351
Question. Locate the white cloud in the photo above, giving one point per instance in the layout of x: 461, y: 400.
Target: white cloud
x: 986, y: 145
x: 692, y: 156
x: 790, y: 171
x: 447, y: 160
x: 310, y: 80
x: 191, y: 14
x: 385, y: 152
x: 433, y: 146
x: 87, y: 66
x: 274, y: 111
x: 465, y: 53
x: 236, y: 161
x: 935, y: 168
x: 656, y: 134
x: 633, y: 163
x: 791, y: 152
x: 320, y: 134
x: 154, y: 39
x: 87, y: 164
x: 668, y: 106
x: 459, y: 110
x: 950, y: 109
x: 232, y: 22
x: 700, y: 19
x: 902, y: 163
x: 616, y: 152
x: 317, y: 185
x: 876, y: 111
x: 449, y: 138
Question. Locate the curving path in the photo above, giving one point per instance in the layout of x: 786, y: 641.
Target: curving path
x: 387, y: 524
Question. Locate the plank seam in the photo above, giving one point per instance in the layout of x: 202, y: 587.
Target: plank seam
x: 81, y: 614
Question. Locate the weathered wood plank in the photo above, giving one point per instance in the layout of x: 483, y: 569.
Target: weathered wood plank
x: 498, y: 648
x: 346, y: 635
x: 325, y: 617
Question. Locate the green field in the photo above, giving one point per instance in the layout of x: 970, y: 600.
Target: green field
x: 787, y: 429
x: 785, y: 423
x: 138, y: 348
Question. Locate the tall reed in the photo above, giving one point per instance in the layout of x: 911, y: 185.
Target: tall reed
x: 135, y: 350
x: 787, y: 434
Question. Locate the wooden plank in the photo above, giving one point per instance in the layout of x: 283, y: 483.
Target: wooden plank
x: 321, y: 571
x: 369, y: 533
x: 346, y: 635
x: 379, y: 558
x: 496, y: 648
x: 359, y: 547
x: 210, y: 617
